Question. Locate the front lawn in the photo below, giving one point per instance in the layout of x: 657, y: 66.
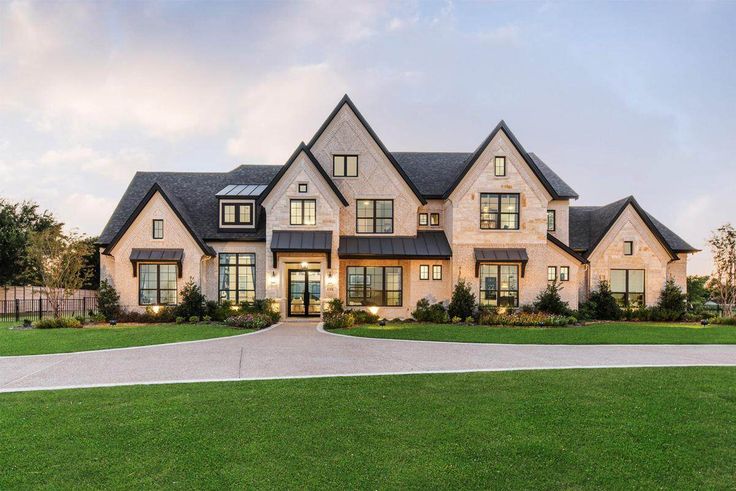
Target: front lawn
x: 40, y: 341
x: 646, y: 428
x: 603, y: 333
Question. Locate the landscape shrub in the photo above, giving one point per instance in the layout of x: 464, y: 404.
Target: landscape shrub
x: 108, y: 301
x: 430, y: 313
x: 540, y: 319
x: 726, y: 321
x: 249, y: 321
x: 469, y: 320
x: 672, y: 303
x: 462, y: 303
x: 601, y: 305
x: 193, y: 319
x: 261, y: 306
x: 191, y: 301
x: 180, y: 320
x: 364, y: 317
x: 218, y: 311
x: 549, y: 301
x: 80, y: 318
x: 339, y: 320
x: 456, y: 320
x: 207, y: 319
x: 334, y: 306
x: 164, y: 314
x: 60, y: 323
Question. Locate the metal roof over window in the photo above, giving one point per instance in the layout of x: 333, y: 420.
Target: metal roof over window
x: 426, y: 245
x: 156, y: 256
x: 498, y: 255
x: 241, y: 190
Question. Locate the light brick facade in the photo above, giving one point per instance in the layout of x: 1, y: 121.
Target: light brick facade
x: 378, y: 178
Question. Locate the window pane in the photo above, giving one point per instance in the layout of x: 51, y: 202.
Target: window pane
x: 295, y: 212
x: 365, y: 209
x: 636, y: 281
x: 374, y: 285
x: 148, y: 276
x: 384, y: 209
x: 147, y: 297
x: 393, y: 278
x: 168, y: 297
x: 167, y: 276
x: 365, y: 225
x: 509, y: 203
x: 628, y: 248
x: 228, y: 258
x: 244, y: 213
x: 488, y: 203
x: 500, y: 166
x: 618, y: 280
x: 509, y: 221
x: 393, y: 299
x: 488, y: 283
x: 636, y: 300
x: 384, y: 225
x: 423, y: 272
x: 423, y: 219
x: 551, y: 273
x: 339, y: 163
x: 550, y: 220
x: 228, y: 214
x: 437, y: 272
x: 564, y: 273
x: 310, y: 212
x: 434, y: 219
x: 509, y: 277
x: 351, y: 166
x: 246, y: 258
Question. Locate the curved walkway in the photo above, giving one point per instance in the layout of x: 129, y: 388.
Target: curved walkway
x: 294, y: 351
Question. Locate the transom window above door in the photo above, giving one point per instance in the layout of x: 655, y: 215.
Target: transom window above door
x: 375, y: 216
x: 303, y: 212
x: 345, y: 165
x: 499, y: 211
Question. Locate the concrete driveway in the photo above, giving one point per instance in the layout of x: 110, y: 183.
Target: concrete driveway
x: 301, y: 350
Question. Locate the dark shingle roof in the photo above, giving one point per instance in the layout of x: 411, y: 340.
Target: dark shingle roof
x: 588, y: 225
x: 194, y: 196
x: 434, y: 173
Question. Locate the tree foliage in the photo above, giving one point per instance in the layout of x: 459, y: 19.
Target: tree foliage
x: 550, y: 302
x: 601, y: 304
x: 697, y: 291
x: 723, y: 248
x: 17, y: 222
x: 192, y: 302
x: 672, y: 303
x: 108, y: 301
x: 59, y: 260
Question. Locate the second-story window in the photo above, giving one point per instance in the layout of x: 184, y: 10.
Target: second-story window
x: 551, y: 220
x: 499, y: 166
x: 551, y: 273
x: 423, y: 219
x: 434, y: 219
x: 303, y: 212
x: 345, y: 165
x: 499, y: 211
x: 237, y: 213
x: 628, y: 248
x: 375, y: 216
x: 158, y: 229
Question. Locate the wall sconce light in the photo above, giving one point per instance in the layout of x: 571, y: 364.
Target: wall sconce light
x: 304, y: 265
x: 274, y: 279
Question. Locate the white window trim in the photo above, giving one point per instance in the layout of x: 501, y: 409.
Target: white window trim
x: 236, y: 202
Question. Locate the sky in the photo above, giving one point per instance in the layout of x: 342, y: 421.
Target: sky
x: 618, y: 98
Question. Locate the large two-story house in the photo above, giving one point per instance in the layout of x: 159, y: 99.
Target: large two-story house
x: 346, y: 218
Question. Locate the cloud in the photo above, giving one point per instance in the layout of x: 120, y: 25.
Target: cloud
x: 276, y: 112
x: 508, y: 34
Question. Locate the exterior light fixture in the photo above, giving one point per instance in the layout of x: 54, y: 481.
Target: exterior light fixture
x: 156, y: 309
x: 304, y: 264
x: 373, y: 310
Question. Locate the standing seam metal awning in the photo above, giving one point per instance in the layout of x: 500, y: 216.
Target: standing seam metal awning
x: 426, y: 245
x: 501, y: 256
x: 301, y: 241
x: 156, y: 256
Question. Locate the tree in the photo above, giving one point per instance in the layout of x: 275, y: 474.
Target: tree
x: 17, y: 222
x: 672, y: 302
x: 108, y: 301
x: 549, y: 301
x: 697, y: 292
x: 463, y: 301
x: 60, y: 262
x: 192, y: 301
x: 601, y: 303
x: 92, y: 263
x: 723, y: 247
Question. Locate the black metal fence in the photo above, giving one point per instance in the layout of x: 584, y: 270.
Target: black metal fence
x: 40, y: 308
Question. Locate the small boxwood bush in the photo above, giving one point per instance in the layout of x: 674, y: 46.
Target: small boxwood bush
x: 430, y: 313
x: 60, y: 323
x: 339, y: 320
x: 250, y: 321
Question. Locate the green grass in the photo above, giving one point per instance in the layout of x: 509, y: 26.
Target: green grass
x: 39, y: 341
x: 604, y: 333
x: 652, y: 428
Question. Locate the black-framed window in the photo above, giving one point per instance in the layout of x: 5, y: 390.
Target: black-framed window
x: 303, y: 187
x: 434, y: 219
x: 424, y: 271
x: 374, y: 285
x: 499, y: 211
x: 158, y: 228
x: 551, y: 273
x: 237, y: 277
x: 499, y: 166
x: 627, y: 287
x: 564, y: 273
x: 157, y: 284
x: 375, y: 216
x: 551, y: 220
x: 423, y: 219
x: 499, y: 285
x: 345, y: 165
x: 628, y: 248
x: 437, y: 272
x: 237, y: 213
x: 303, y: 212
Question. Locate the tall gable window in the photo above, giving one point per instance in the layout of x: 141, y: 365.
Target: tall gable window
x: 158, y: 229
x: 551, y: 220
x: 237, y: 278
x: 499, y: 211
x: 157, y: 284
x: 499, y: 165
x: 628, y: 248
x: 237, y: 213
x: 345, y: 165
x: 375, y: 216
x: 303, y: 212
